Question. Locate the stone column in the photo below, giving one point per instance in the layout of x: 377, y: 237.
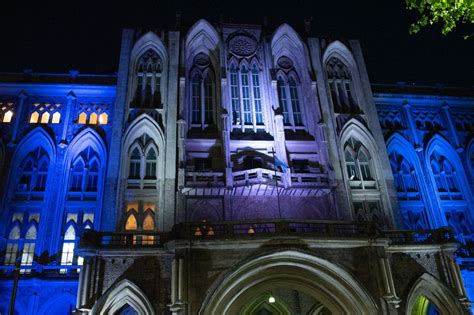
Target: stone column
x: 390, y: 295
x: 412, y: 126
x: 280, y: 148
x: 451, y: 127
x: 71, y: 97
x: 18, y: 117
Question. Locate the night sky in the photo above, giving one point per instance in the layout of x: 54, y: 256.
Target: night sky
x: 85, y: 35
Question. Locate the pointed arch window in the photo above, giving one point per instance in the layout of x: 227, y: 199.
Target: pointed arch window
x: 140, y: 217
x: 150, y: 167
x: 203, y: 92
x: 290, y: 102
x: 245, y: 90
x: 143, y: 161
x: 404, y: 176
x: 12, y: 245
x: 148, y: 81
x: 45, y: 113
x: 76, y: 221
x: 6, y: 111
x: 33, y: 175
x: 358, y: 165
x: 341, y: 87
x: 446, y: 178
x: 28, y: 253
x: 84, y: 176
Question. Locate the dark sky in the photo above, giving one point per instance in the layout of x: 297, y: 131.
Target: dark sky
x: 85, y: 35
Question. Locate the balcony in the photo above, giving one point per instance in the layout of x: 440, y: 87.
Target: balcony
x: 238, y: 230
x: 256, y: 176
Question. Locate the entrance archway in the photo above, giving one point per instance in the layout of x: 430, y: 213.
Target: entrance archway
x: 324, y: 281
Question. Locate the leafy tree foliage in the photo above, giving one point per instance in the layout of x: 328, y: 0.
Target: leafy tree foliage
x: 448, y: 12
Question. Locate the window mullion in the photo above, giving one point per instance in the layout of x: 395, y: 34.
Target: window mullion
x: 290, y: 105
x: 241, y: 102
x: 252, y: 101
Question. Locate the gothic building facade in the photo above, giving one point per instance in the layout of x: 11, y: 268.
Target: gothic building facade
x: 233, y: 169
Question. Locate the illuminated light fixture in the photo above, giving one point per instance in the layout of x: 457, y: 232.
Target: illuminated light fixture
x: 271, y: 299
x: 251, y: 230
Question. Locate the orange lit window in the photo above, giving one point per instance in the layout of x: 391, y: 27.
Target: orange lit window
x: 34, y: 118
x: 56, y: 118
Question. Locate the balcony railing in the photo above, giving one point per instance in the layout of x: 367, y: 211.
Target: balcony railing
x: 254, y: 176
x: 123, y: 239
x: 263, y: 228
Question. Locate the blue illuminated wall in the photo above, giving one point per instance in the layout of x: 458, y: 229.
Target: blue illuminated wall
x: 430, y: 142
x: 53, y: 149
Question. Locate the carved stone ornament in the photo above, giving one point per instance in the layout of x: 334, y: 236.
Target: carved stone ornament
x: 285, y: 63
x: 242, y: 45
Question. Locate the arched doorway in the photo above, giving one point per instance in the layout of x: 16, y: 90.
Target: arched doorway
x: 318, y: 279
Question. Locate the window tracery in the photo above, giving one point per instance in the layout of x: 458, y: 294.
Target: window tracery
x: 84, y: 176
x: 148, y: 81
x: 203, y: 93
x: 140, y: 217
x: 358, y: 165
x: 289, y: 94
x: 33, y: 175
x: 446, y: 178
x: 46, y: 113
x: 247, y: 111
x: 341, y: 87
x: 21, y: 240
x: 405, y: 178
x: 93, y: 114
x: 143, y: 161
x: 76, y: 221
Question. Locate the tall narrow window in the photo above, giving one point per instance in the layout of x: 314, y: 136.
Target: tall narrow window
x: 12, y: 246
x: 289, y: 94
x: 69, y: 243
x: 358, y: 165
x: 150, y: 169
x: 196, y: 99
x: 6, y: 111
x: 446, y: 178
x: 135, y: 164
x: 341, y: 87
x: 202, y: 92
x: 77, y: 176
x: 33, y: 176
x: 148, y: 81
x: 28, y: 254
x: 234, y: 91
x: 247, y: 109
x: 92, y: 176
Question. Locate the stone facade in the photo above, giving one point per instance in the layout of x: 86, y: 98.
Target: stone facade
x: 226, y: 166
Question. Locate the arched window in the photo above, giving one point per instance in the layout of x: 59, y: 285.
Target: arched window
x: 69, y: 243
x: 246, y: 100
x: 140, y: 217
x: 6, y: 111
x: 203, y: 94
x: 28, y: 254
x: 148, y: 81
x: 289, y: 94
x: 404, y: 176
x: 143, y: 161
x: 445, y: 178
x: 358, y: 165
x: 150, y: 168
x: 135, y: 160
x: 93, y: 114
x: 46, y: 113
x: 341, y: 87
x: 33, y: 175
x: 12, y: 245
x: 84, y: 176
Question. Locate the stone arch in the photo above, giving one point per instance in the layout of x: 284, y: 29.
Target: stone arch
x: 286, y: 42
x: 431, y: 288
x: 202, y: 38
x: 327, y: 282
x: 120, y: 294
x: 149, y: 41
x: 340, y: 51
x: 38, y: 137
x: 398, y: 143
